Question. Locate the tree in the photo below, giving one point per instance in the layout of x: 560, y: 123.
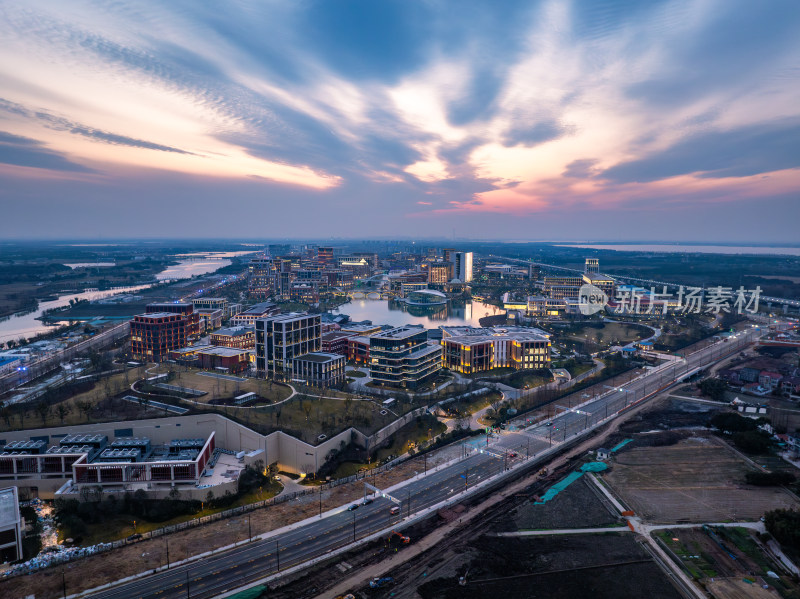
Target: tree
x: 752, y: 441
x: 62, y: 411
x: 85, y: 406
x: 713, y: 388
x: 43, y: 409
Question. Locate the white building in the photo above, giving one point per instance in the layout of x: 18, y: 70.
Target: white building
x: 11, y: 526
x: 462, y: 266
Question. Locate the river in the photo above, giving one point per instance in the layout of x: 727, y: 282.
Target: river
x: 454, y: 313
x: 27, y: 326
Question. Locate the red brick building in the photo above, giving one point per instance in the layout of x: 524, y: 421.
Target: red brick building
x: 154, y: 335
x: 187, y: 310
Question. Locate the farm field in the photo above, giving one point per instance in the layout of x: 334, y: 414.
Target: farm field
x: 698, y: 479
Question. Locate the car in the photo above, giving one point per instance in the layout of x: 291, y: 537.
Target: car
x: 512, y: 454
x: 395, y: 509
x: 278, y: 478
x: 352, y: 507
x: 367, y: 501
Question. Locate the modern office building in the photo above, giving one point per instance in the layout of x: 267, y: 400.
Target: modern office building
x: 210, y: 319
x: 462, y: 266
x: 440, y: 273
x: 260, y: 284
x: 335, y: 342
x: 602, y: 282
x: 280, y: 339
x: 325, y: 256
x: 319, y: 369
x: 183, y: 308
x: 469, y: 350
x: 402, y: 357
x: 241, y: 337
x: 358, y: 349
x: 260, y: 310
x: 592, y: 266
x: 154, y: 335
x: 212, y: 303
x: 11, y: 526
x: 448, y: 255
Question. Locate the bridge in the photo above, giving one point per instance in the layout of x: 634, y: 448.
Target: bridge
x: 374, y: 294
x: 786, y: 302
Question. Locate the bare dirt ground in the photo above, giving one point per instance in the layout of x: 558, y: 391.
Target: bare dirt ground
x: 598, y: 566
x: 736, y: 588
x: 699, y: 479
x: 578, y: 506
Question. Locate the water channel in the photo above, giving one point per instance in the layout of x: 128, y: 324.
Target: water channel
x: 26, y: 325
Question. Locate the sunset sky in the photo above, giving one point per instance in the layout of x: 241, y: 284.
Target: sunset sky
x: 672, y: 120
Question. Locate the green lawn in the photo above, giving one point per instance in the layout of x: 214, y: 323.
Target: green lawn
x: 120, y: 526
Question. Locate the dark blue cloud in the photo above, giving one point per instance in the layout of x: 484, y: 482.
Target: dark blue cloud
x: 524, y: 134
x: 24, y: 151
x: 365, y: 39
x: 738, y: 46
x: 740, y: 152
x: 58, y: 123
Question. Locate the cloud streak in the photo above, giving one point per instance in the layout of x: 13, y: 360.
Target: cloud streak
x: 449, y: 109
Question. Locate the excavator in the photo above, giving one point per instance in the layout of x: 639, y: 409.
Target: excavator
x: 397, y: 537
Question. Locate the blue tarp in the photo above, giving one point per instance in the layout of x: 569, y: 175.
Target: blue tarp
x: 570, y: 478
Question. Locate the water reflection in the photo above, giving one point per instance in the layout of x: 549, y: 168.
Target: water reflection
x: 394, y: 313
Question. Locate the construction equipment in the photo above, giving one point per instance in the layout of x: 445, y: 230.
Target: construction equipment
x: 396, y: 536
x: 377, y: 583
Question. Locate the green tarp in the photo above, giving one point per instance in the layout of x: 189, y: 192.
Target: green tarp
x: 569, y: 479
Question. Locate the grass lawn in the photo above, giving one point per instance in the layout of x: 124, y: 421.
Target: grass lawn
x: 121, y: 526
x: 527, y: 379
x: 414, y: 432
x: 491, y: 373
x: 358, y: 374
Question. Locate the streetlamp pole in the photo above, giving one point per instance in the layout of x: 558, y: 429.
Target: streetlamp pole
x: 354, y: 527
x: 409, y: 503
x: 278, y: 553
x: 320, y: 501
x: 249, y: 529
x: 166, y: 540
x: 187, y: 584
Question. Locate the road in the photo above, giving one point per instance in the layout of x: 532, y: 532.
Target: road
x: 482, y: 459
x: 764, y: 298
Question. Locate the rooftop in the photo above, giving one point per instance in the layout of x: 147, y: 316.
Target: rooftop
x: 320, y: 357
x: 234, y: 331
x: 399, y: 333
x: 228, y: 352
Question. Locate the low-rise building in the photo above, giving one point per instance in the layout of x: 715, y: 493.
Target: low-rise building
x: 319, y: 369
x: 210, y: 318
x: 358, y: 349
x: 212, y: 303
x: 335, y: 342
x: 240, y: 337
x: 469, y: 350
x: 225, y: 358
x: 260, y: 310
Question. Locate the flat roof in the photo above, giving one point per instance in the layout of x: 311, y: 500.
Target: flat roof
x: 399, y: 333
x: 320, y: 357
x: 235, y: 331
x: 224, y: 351
x: 158, y: 315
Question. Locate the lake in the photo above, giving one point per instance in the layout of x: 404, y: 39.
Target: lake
x: 454, y: 313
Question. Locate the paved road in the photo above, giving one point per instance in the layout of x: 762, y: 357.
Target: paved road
x: 483, y: 458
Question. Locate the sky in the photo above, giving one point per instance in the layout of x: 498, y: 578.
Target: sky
x: 569, y: 120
